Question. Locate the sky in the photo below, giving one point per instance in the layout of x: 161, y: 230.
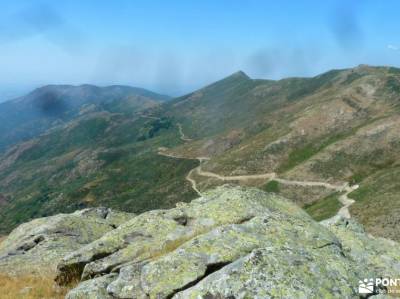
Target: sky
x: 176, y: 46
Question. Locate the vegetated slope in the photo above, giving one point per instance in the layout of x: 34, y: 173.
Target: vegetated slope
x: 48, y: 106
x: 341, y: 126
x: 106, y: 152
x: 98, y: 159
x: 338, y: 127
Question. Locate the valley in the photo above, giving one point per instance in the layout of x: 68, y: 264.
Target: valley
x: 324, y: 142
x: 199, y: 150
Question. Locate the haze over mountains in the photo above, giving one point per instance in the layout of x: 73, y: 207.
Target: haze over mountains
x: 52, y: 105
x: 75, y: 147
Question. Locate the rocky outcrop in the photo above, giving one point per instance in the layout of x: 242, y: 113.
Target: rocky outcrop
x: 37, y: 246
x: 231, y: 243
x: 376, y: 257
x: 157, y: 233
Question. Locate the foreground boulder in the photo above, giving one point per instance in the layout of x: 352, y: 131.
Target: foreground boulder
x: 37, y: 246
x: 231, y: 243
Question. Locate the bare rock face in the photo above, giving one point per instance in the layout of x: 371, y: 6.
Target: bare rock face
x: 231, y: 243
x: 37, y: 246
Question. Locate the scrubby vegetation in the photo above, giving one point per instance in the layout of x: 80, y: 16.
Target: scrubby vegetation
x: 97, y: 161
x: 377, y: 203
x: 272, y: 186
x: 324, y: 208
x: 154, y: 127
x: 341, y: 126
x: 302, y: 153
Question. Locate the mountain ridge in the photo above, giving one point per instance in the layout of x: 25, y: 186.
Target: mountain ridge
x: 303, y: 129
x: 27, y: 116
x: 66, y: 87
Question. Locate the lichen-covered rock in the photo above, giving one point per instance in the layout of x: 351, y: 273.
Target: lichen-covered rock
x: 218, y: 248
x: 93, y: 289
x: 378, y: 256
x: 231, y: 243
x: 37, y: 246
x: 280, y: 272
x: 156, y: 233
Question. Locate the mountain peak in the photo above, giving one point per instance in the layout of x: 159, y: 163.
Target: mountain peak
x: 239, y: 74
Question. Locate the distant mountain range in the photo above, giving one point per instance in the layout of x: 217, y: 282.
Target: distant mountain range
x: 52, y: 105
x: 8, y: 93
x: 134, y: 150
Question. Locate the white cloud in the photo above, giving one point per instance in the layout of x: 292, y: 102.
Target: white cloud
x: 393, y: 47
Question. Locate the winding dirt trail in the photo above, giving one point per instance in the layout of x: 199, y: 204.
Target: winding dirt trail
x: 309, y: 184
x: 148, y: 116
x: 344, y: 199
x: 264, y: 176
x: 193, y: 181
x: 182, y: 135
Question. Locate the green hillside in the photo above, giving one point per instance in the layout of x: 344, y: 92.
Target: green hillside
x: 341, y: 126
x: 336, y: 128
x: 49, y: 106
x: 98, y: 160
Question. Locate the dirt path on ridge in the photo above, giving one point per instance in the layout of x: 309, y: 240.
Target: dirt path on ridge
x: 344, y: 199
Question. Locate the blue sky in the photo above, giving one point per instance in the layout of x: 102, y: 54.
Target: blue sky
x: 176, y: 46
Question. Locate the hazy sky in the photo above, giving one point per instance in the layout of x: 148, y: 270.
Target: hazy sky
x: 175, y: 46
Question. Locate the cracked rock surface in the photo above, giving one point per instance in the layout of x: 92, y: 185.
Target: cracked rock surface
x: 37, y: 246
x: 233, y: 242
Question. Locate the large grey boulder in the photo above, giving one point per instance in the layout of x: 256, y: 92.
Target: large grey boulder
x: 377, y: 257
x: 37, y: 246
x: 93, y: 289
x: 231, y: 243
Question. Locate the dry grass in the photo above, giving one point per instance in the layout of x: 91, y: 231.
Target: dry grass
x: 30, y: 287
x: 2, y: 238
